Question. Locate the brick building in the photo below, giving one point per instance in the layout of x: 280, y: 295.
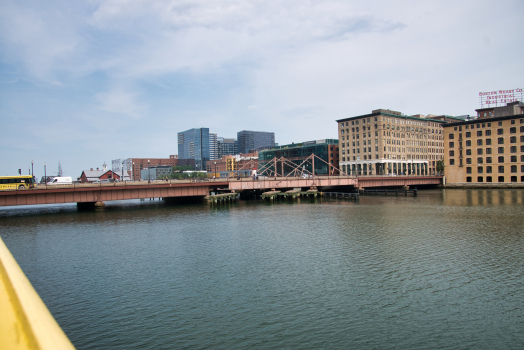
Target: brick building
x: 489, y: 149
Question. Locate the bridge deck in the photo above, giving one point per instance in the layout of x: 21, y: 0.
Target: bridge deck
x: 82, y: 193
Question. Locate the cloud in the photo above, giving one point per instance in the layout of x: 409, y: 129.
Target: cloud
x: 120, y: 101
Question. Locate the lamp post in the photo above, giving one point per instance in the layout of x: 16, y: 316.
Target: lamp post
x: 148, y: 172
x: 45, y: 176
x: 122, y: 179
x: 214, y: 176
x: 32, y: 173
x: 133, y: 171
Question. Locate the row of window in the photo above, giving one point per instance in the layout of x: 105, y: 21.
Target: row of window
x: 490, y: 179
x: 483, y: 125
x: 500, y: 141
x: 480, y: 151
x: 500, y: 168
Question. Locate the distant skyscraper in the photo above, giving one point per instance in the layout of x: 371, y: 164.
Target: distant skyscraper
x: 226, y: 147
x: 213, y: 150
x: 254, y: 140
x: 194, y: 144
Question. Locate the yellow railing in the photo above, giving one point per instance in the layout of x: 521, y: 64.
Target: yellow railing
x: 25, y: 321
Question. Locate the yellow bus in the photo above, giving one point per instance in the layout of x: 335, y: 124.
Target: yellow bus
x: 16, y: 182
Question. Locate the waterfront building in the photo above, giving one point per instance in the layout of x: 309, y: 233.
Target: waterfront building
x: 213, y: 147
x: 232, y: 165
x: 97, y: 175
x: 137, y: 164
x: 388, y: 142
x: 489, y: 149
x: 194, y: 144
x: 156, y: 172
x: 226, y: 146
x: 249, y: 141
x: 327, y: 150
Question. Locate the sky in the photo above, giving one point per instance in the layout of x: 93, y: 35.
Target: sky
x: 86, y: 82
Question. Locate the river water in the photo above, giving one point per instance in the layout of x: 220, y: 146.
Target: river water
x: 443, y: 270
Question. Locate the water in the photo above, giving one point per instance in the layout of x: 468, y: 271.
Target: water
x: 443, y: 270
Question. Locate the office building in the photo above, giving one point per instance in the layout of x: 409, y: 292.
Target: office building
x: 489, y: 149
x: 213, y: 147
x: 194, y: 144
x: 388, y: 142
x: 327, y: 150
x: 226, y: 147
x: 137, y: 164
x: 249, y: 141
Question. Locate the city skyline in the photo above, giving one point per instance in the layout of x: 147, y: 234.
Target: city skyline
x: 88, y: 82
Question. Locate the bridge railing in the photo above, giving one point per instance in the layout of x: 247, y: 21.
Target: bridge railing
x: 26, y: 323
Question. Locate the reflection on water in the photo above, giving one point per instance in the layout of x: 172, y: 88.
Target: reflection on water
x: 442, y: 270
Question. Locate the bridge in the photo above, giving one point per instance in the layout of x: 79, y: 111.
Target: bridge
x: 99, y: 193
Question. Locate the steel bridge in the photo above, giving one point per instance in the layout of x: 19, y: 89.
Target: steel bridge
x: 93, y: 193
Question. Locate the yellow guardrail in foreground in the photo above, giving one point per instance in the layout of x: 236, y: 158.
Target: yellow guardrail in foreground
x: 25, y: 321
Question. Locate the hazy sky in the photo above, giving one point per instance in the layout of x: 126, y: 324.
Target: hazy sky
x: 83, y: 82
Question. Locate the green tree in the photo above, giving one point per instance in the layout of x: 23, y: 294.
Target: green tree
x: 440, y: 167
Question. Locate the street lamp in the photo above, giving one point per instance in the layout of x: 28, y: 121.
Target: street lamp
x: 122, y: 179
x: 32, y: 173
x: 214, y: 176
x: 45, y: 176
x: 148, y: 172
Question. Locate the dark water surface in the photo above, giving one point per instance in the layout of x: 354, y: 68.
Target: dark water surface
x: 443, y: 270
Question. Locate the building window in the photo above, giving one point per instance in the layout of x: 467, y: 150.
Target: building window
x: 500, y: 131
x: 500, y: 140
x: 513, y: 168
x: 513, y: 122
x: 501, y: 150
x: 468, y: 134
x: 468, y: 160
x: 513, y: 159
x: 500, y: 123
x: 501, y: 169
x: 488, y: 179
x: 488, y: 160
x: 522, y: 129
x: 513, y: 139
x: 513, y: 149
x: 513, y: 130
x: 468, y: 152
x: 451, y: 136
x: 451, y: 153
x: 479, y: 133
x: 480, y: 170
x: 501, y: 178
x: 480, y: 151
x: 488, y: 132
x: 468, y: 143
x: 479, y: 142
x: 489, y: 169
x: 451, y: 144
x: 480, y: 160
x: 488, y: 150
x: 468, y: 179
x: 468, y: 170
x: 480, y: 179
x: 452, y: 162
x: 488, y: 142
x: 513, y: 179
x: 501, y: 159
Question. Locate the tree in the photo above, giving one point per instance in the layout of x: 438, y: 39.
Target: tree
x: 440, y: 166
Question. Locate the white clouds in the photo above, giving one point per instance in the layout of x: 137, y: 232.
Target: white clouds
x: 292, y: 66
x: 121, y: 102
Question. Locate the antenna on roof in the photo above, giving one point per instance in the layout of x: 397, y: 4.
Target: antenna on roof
x: 59, y: 169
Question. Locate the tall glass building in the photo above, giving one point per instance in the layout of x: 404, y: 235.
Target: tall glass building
x: 226, y: 147
x: 194, y: 144
x: 254, y: 140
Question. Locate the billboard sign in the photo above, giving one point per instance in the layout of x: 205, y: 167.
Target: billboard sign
x: 494, y: 98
